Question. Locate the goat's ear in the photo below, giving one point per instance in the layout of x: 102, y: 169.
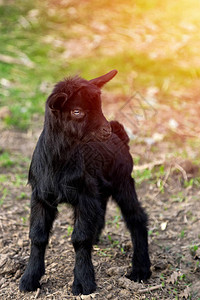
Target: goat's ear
x: 57, y: 101
x: 100, y: 81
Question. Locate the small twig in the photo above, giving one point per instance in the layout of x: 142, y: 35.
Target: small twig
x: 164, y: 181
x: 166, y: 176
x: 149, y: 165
x: 37, y: 294
x: 177, y: 166
x: 190, y: 245
x: 153, y: 288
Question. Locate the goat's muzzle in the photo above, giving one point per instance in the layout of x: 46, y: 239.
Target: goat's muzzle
x: 104, y: 132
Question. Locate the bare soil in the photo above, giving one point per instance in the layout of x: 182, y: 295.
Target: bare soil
x: 174, y: 237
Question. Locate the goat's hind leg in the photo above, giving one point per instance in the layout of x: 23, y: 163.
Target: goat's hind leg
x: 136, y: 221
x: 42, y: 218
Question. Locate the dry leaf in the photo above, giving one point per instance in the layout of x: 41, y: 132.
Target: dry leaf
x: 174, y: 277
x: 186, y: 293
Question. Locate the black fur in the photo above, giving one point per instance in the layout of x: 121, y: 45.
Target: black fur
x: 82, y: 159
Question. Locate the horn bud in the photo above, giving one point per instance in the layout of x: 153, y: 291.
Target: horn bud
x: 100, y: 81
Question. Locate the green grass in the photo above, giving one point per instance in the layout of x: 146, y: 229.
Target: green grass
x: 3, y: 195
x: 141, y: 176
x: 29, y: 31
x: 5, y: 160
x: 3, y: 178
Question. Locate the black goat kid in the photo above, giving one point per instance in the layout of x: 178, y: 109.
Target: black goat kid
x: 82, y: 159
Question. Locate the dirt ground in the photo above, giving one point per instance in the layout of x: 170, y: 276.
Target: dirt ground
x: 174, y: 237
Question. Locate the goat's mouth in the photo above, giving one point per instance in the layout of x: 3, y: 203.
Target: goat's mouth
x: 97, y: 136
x: 102, y: 136
x: 106, y: 136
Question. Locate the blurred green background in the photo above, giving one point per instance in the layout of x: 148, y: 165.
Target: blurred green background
x: 151, y: 43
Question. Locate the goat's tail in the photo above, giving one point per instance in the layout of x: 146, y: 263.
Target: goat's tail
x: 119, y: 130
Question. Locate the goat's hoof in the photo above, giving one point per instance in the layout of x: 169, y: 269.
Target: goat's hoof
x: 85, y: 289
x: 140, y: 275
x: 28, y: 284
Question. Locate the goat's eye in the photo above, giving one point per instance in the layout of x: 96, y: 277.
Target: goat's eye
x: 77, y: 113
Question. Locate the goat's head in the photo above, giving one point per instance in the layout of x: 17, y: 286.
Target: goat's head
x: 74, y: 107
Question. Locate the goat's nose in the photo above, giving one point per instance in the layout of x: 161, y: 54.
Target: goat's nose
x: 106, y: 130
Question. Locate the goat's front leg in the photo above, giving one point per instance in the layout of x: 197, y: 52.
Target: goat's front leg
x: 101, y: 223
x: 41, y: 221
x: 86, y: 223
